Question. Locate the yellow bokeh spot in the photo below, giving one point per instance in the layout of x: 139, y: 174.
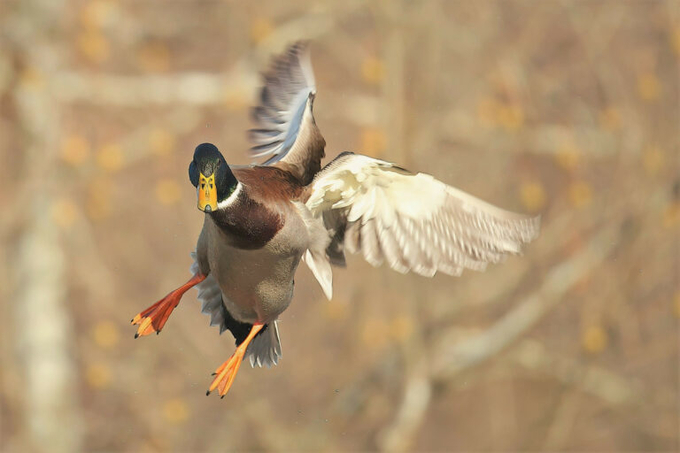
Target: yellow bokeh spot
x: 580, y: 194
x: 492, y: 113
x: 96, y: 13
x: 161, y: 142
x: 93, y: 45
x: 652, y: 160
x: 175, y: 411
x: 110, y: 157
x: 98, y: 375
x: 336, y: 309
x: 75, y: 150
x: 372, y: 70
x: 168, y: 191
x: 568, y: 155
x: 105, y: 334
x: 510, y: 117
x: 98, y: 205
x: 64, y: 213
x: 373, y: 141
x: 594, y: 339
x: 649, y: 87
x: 260, y: 29
x: 671, y: 216
x: 532, y: 195
x: 153, y: 56
x: 31, y: 78
x: 610, y: 119
x: 487, y: 111
x: 375, y: 333
x: 402, y: 328
x: 675, y: 40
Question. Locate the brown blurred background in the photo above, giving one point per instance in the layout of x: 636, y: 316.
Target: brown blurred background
x: 568, y: 109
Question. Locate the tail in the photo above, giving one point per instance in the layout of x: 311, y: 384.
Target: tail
x: 265, y: 349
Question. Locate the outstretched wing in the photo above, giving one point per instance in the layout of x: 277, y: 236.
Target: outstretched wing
x: 413, y: 222
x: 285, y: 130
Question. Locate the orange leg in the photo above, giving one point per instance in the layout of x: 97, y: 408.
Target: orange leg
x: 153, y: 318
x: 225, y: 374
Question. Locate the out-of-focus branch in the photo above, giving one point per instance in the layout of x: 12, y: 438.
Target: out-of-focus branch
x: 417, y: 394
x: 179, y: 88
x: 594, y: 380
x: 43, y: 325
x: 461, y: 128
x: 599, y: 382
x: 448, y: 359
x: 393, y: 105
x: 195, y: 88
x: 456, y: 351
x: 451, y: 358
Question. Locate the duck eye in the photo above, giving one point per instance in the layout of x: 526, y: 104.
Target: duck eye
x: 211, y: 186
x: 203, y: 186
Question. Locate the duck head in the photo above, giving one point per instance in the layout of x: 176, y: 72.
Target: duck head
x: 211, y: 176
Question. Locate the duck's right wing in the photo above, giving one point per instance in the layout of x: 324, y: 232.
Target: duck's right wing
x: 412, y: 222
x: 285, y: 130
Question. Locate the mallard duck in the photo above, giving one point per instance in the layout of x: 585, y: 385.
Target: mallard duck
x: 261, y: 220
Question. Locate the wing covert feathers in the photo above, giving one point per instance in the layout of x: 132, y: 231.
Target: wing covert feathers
x: 412, y: 222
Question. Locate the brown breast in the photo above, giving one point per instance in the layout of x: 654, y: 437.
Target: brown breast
x: 261, y: 209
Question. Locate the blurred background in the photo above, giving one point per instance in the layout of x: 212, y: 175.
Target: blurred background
x: 565, y: 109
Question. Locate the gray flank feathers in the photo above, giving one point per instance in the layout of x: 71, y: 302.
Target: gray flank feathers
x: 264, y: 349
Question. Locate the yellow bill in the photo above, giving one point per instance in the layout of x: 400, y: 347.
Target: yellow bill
x: 207, y: 193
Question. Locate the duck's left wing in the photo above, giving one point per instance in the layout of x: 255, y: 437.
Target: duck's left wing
x: 412, y: 222
x: 285, y: 130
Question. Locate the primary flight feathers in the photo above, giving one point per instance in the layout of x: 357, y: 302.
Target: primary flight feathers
x: 285, y: 127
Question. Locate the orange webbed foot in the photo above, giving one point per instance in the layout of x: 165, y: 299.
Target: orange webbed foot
x: 154, y: 318
x: 225, y: 374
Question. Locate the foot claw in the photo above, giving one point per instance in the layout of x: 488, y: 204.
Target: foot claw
x: 154, y: 318
x: 225, y: 374
x: 158, y: 316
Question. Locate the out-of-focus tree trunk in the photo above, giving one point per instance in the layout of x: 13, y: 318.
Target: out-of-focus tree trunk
x: 43, y: 330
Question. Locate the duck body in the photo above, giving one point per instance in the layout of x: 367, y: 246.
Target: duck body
x: 261, y: 220
x: 253, y: 246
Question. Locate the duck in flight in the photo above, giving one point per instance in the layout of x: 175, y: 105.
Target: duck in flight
x: 261, y: 220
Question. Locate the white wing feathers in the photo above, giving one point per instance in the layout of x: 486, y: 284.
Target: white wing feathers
x: 414, y: 222
x: 315, y: 256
